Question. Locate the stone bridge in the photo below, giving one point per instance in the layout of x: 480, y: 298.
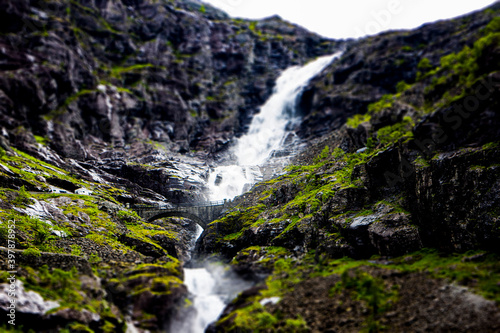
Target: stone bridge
x: 202, y: 212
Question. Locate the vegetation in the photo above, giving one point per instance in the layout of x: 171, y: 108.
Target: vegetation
x: 357, y: 120
x: 79, y: 217
x: 100, y: 232
x: 384, y: 103
x: 359, y: 279
x: 393, y: 133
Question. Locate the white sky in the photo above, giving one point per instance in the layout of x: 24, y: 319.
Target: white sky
x: 351, y: 18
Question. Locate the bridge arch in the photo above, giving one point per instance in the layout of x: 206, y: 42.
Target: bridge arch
x: 187, y: 215
x: 201, y: 213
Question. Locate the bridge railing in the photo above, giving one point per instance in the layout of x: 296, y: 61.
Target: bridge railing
x: 184, y: 205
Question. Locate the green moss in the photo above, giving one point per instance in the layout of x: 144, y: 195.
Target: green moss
x: 32, y: 251
x: 384, y: 103
x: 171, y: 267
x: 23, y: 198
x: 296, y: 325
x: 117, y: 71
x: 27, y: 167
x: 421, y: 162
x: 357, y: 120
x: 124, y: 90
x: 145, y: 231
x: 253, y: 26
x: 481, y: 274
x: 233, y: 236
x: 325, y: 153
x: 159, y: 285
x: 129, y: 217
x: 493, y: 26
x: 402, y: 86
x: 372, y: 291
x: 395, y: 204
x: 81, y: 328
x: 390, y: 134
x: 41, y: 140
x: 458, y: 72
x: 424, y: 64
x: 35, y: 232
x: 56, y: 284
x: 491, y: 145
x: 76, y: 250
x: 255, y: 318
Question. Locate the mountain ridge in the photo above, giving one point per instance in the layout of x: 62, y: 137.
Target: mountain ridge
x: 386, y: 220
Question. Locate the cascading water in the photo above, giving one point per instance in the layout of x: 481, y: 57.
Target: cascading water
x: 207, y: 303
x: 266, y: 134
x: 211, y: 287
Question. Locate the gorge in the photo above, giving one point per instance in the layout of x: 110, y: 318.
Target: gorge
x: 363, y: 175
x: 266, y: 135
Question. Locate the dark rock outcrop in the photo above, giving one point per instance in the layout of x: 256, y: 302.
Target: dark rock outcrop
x: 116, y: 72
x: 372, y: 67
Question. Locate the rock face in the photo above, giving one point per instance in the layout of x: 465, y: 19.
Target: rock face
x: 144, y: 81
x: 372, y: 67
x: 119, y: 72
x: 129, y: 98
x: 415, y: 168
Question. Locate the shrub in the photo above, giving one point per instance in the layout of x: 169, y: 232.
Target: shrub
x: 357, y: 120
x: 23, y: 198
x: 128, y: 217
x: 32, y: 251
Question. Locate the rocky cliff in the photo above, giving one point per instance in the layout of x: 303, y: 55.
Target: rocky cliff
x: 388, y: 220
x: 112, y: 82
x: 85, y: 73
x: 127, y: 99
x: 406, y: 158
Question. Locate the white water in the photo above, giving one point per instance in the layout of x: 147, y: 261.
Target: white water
x: 207, y: 304
x: 267, y: 132
x: 212, y: 289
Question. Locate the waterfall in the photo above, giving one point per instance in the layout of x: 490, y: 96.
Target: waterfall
x: 267, y: 133
x: 212, y: 288
x: 208, y: 304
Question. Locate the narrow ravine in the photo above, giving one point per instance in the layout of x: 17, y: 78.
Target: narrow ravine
x: 268, y: 132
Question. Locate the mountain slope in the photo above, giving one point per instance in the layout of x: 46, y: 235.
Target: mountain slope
x: 82, y: 74
x: 415, y: 168
x: 389, y: 219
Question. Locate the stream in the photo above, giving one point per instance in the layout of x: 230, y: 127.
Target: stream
x: 255, y: 154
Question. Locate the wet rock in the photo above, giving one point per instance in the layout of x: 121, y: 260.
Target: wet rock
x: 26, y: 302
x: 54, y: 260
x: 142, y: 247
x: 71, y: 315
x: 167, y: 243
x: 393, y: 235
x: 184, y: 62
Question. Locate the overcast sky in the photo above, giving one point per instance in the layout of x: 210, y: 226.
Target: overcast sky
x: 351, y: 18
